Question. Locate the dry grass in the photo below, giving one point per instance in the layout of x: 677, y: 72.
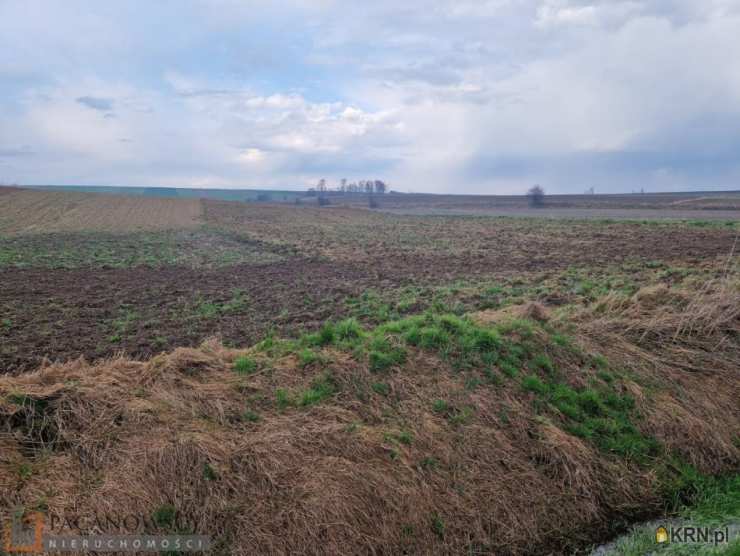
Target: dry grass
x: 365, y: 472
x: 28, y: 211
x: 685, y: 348
x: 532, y: 310
x: 139, y: 436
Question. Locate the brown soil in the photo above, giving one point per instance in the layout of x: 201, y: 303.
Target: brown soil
x: 333, y: 254
x: 26, y: 211
x: 349, y: 234
x: 7, y: 190
x: 687, y: 212
x: 62, y: 314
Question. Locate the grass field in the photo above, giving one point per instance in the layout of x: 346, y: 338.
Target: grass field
x: 338, y: 380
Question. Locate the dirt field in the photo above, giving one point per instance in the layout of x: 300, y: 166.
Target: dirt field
x: 669, y: 202
x: 254, y: 268
x: 296, y: 379
x: 26, y: 211
x: 350, y: 234
x: 674, y: 213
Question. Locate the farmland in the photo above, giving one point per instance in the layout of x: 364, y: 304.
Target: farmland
x: 31, y: 211
x: 363, y: 380
x: 87, y: 290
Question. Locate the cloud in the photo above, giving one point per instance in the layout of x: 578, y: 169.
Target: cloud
x: 96, y: 103
x: 473, y: 96
x: 566, y: 12
x: 12, y: 152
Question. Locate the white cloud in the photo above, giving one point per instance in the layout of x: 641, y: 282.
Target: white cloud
x: 245, y: 138
x: 457, y: 95
x: 252, y: 156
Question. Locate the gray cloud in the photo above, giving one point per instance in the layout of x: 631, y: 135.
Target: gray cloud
x: 434, y: 74
x: 463, y: 95
x: 96, y: 103
x: 16, y: 152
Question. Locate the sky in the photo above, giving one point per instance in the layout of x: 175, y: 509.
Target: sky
x: 448, y: 96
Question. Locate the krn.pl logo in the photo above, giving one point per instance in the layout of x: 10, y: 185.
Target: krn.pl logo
x: 661, y: 535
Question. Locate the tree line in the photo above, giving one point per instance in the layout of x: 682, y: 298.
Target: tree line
x: 361, y: 186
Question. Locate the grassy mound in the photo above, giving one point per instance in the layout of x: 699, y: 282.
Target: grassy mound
x: 522, y: 432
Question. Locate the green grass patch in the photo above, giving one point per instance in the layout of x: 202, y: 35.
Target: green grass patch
x: 381, y: 388
x: 245, y: 365
x: 348, y: 330
x: 283, y: 399
x: 25, y: 471
x: 209, y: 473
x: 371, y: 307
x: 532, y: 383
x: 321, y: 388
x: 598, y: 413
x: 192, y: 248
x: 209, y: 309
x: 461, y: 416
x: 542, y: 362
x: 429, y: 463
x: 308, y: 357
x: 250, y: 416
x: 383, y: 360
x: 712, y: 502
x: 440, y: 406
x: 400, y: 437
x: 164, y: 516
x: 438, y: 525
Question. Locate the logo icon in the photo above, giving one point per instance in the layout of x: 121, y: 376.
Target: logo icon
x: 25, y: 533
x: 661, y: 535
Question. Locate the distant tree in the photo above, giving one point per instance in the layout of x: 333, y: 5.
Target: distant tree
x: 321, y: 189
x: 379, y: 187
x: 343, y: 185
x: 536, y: 196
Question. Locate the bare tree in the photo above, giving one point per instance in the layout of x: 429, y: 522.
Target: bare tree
x: 322, y: 199
x: 379, y: 187
x: 536, y: 196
